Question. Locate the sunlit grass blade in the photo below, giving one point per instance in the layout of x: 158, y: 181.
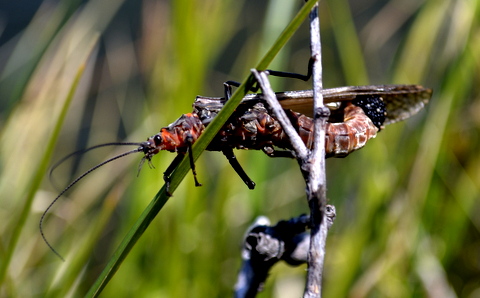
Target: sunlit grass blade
x: 42, y: 167
x: 161, y: 198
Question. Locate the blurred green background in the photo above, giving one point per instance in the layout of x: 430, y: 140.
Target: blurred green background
x: 408, y: 212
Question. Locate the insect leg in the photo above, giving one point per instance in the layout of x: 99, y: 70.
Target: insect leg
x: 228, y: 88
x: 166, y: 175
x: 178, y: 159
x: 292, y: 75
x: 192, y: 165
x: 232, y: 159
x: 175, y: 163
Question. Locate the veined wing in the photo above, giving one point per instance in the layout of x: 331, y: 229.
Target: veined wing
x: 401, y: 101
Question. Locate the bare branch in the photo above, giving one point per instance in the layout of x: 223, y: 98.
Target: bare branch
x: 314, y: 169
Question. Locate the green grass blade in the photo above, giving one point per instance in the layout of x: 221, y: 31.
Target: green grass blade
x: 161, y: 198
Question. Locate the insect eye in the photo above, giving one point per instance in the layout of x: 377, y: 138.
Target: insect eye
x: 157, y: 139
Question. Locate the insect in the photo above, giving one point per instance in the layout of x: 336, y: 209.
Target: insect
x: 357, y: 114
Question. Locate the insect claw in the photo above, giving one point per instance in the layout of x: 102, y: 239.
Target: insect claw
x: 192, y: 163
x: 197, y: 184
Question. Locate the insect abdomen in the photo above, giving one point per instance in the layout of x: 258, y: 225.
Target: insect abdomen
x: 350, y: 135
x: 344, y: 137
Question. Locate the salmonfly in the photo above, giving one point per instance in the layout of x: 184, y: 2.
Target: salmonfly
x: 357, y: 114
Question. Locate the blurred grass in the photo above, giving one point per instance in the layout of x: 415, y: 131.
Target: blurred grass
x: 407, y: 204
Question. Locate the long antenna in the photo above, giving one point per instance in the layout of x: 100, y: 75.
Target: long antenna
x: 63, y: 159
x: 139, y: 149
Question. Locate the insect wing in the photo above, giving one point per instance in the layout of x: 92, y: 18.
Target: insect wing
x: 401, y: 101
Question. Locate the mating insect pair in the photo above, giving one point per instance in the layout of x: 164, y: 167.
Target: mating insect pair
x: 357, y: 114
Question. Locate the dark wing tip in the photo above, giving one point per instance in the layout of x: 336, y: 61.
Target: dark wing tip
x: 406, y: 102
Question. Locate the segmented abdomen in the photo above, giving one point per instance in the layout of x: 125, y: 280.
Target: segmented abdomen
x: 350, y: 135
